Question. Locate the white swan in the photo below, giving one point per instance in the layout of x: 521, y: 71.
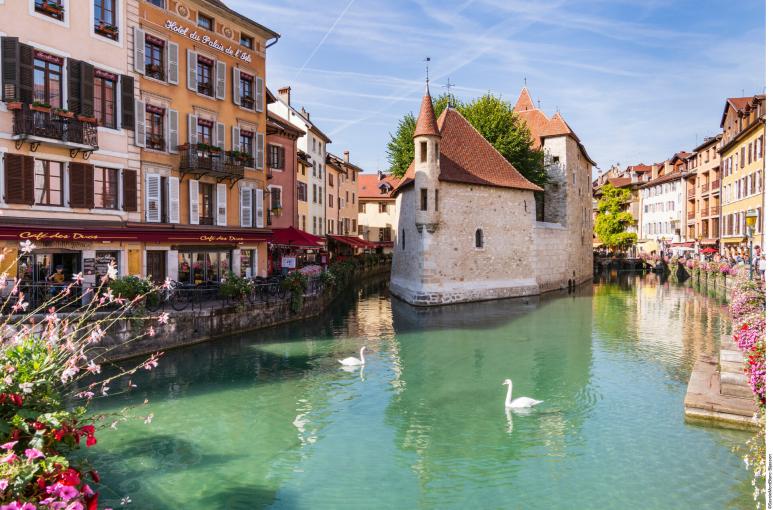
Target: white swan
x: 349, y: 362
x: 520, y: 402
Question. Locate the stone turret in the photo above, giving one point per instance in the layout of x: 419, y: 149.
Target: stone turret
x: 426, y: 139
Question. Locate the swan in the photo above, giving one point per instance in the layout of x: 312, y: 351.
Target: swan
x: 520, y: 402
x: 350, y: 361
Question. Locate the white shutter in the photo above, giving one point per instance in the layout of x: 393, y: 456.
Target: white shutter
x: 220, y: 70
x: 259, y: 208
x: 153, y: 198
x: 174, y: 130
x: 139, y: 50
x: 259, y: 148
x: 235, y: 139
x: 254, y: 151
x: 139, y: 123
x: 220, y: 135
x: 246, y: 206
x: 259, y: 94
x: 193, y: 200
x: 237, y: 91
x: 222, y: 193
x: 193, y: 121
x: 192, y: 61
x: 174, y: 199
x: 172, y: 63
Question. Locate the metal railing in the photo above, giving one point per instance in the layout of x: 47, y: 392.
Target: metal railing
x: 715, y: 184
x: 45, y: 124
x: 61, y: 295
x: 204, y: 161
x: 715, y: 210
x: 691, y: 215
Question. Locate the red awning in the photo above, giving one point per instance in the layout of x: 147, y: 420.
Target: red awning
x: 354, y: 242
x: 292, y: 236
x: 169, y: 234
x: 709, y: 250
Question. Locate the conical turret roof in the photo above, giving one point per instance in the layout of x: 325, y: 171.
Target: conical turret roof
x: 426, y: 124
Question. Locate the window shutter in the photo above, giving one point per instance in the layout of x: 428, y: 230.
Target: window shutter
x: 139, y: 50
x: 254, y: 154
x: 281, y: 153
x: 127, y: 102
x: 193, y: 200
x: 220, y: 70
x: 222, y: 197
x: 192, y: 123
x: 139, y: 125
x: 246, y: 207
x: 129, y: 181
x: 81, y: 185
x: 237, y: 92
x: 26, y: 73
x: 259, y: 96
x: 74, y: 85
x: 259, y: 149
x: 172, y: 63
x: 192, y: 61
x: 174, y: 130
x: 153, y: 198
x: 19, y: 179
x: 235, y: 138
x: 87, y: 89
x: 9, y: 67
x: 174, y: 199
x: 220, y: 135
x: 259, y: 208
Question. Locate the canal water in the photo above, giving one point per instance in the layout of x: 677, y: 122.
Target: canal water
x: 269, y: 419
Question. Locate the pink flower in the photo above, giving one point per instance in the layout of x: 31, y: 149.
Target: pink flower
x: 9, y: 445
x: 3, y: 484
x: 163, y: 318
x: 93, y: 368
x: 33, y: 453
x: 8, y: 458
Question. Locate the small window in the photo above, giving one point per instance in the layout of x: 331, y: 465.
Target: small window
x: 206, y: 22
x: 437, y: 152
x: 437, y: 197
x: 246, y: 41
x: 204, y: 76
x: 105, y: 22
x: 157, y: 3
x: 402, y: 238
x: 51, y: 8
x: 423, y: 199
x: 479, y: 238
x: 423, y: 152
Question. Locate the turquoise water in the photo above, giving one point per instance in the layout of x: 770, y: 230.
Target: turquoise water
x: 270, y: 420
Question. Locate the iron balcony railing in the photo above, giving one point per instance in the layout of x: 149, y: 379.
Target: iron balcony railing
x: 42, y: 123
x: 705, y: 188
x: 704, y: 212
x: 691, y: 215
x: 715, y: 184
x: 204, y: 161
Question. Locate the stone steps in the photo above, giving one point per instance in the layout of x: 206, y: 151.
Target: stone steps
x: 732, y: 379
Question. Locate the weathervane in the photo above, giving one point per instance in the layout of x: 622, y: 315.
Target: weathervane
x: 448, y: 86
x: 426, y: 68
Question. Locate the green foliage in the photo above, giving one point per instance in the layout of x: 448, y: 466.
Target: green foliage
x: 235, y: 286
x: 327, y: 279
x: 612, y: 221
x: 493, y: 118
x: 296, y: 283
x: 129, y: 287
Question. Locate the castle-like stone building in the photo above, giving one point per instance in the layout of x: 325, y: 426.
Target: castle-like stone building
x: 469, y: 225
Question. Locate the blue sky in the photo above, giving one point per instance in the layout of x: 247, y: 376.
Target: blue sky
x: 636, y: 79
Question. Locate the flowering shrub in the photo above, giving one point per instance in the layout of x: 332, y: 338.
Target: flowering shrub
x: 690, y: 264
x: 49, y: 374
x: 296, y: 283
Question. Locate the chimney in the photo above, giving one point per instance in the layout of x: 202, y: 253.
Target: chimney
x: 284, y: 94
x: 304, y: 113
x: 380, y: 175
x: 346, y: 156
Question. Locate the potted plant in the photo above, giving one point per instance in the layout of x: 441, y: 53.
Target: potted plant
x: 52, y: 7
x: 87, y: 119
x: 202, y: 147
x: 13, y: 104
x: 38, y: 106
x: 107, y: 29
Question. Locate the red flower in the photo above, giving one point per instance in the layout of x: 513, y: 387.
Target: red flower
x: 91, y: 441
x: 16, y: 399
x: 88, y: 429
x: 70, y: 477
x: 92, y: 501
x: 94, y: 475
x: 59, y: 434
x: 38, y: 426
x: 42, y: 483
x: 15, y: 435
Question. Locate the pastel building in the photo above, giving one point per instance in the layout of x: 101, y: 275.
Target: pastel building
x: 282, y: 162
x: 377, y: 218
x: 342, y: 176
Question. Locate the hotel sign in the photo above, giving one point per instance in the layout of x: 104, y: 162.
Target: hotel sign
x: 205, y: 39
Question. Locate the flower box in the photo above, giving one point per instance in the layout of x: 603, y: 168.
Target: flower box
x: 13, y: 105
x: 87, y: 119
x: 64, y: 113
x: 106, y: 29
x: 40, y: 108
x: 51, y: 8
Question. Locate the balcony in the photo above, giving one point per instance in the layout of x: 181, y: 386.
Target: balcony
x: 715, y: 210
x: 202, y: 159
x: 691, y: 193
x: 715, y: 185
x: 39, y: 124
x: 691, y: 215
x: 704, y: 188
x: 704, y: 212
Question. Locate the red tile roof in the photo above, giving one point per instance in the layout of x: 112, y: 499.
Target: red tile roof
x: 619, y: 182
x: 426, y: 124
x: 369, y: 186
x: 641, y: 168
x: 537, y: 122
x: 524, y: 101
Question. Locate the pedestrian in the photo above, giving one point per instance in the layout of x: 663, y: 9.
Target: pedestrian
x: 761, y: 266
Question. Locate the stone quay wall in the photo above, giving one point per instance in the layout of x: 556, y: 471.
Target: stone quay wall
x: 195, y: 326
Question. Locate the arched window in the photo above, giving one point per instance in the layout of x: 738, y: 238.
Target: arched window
x: 479, y: 238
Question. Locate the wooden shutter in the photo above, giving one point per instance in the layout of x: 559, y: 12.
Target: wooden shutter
x: 174, y: 130
x: 220, y: 135
x: 235, y: 139
x: 259, y: 96
x: 280, y: 157
x: 153, y: 198
x: 237, y: 91
x: 9, y: 67
x: 139, y: 50
x: 87, y: 89
x: 26, y: 73
x: 19, y: 179
x: 259, y: 208
x: 192, y: 123
x: 139, y: 124
x: 129, y: 178
x: 74, y: 85
x: 221, y: 199
x: 174, y: 199
x: 245, y: 207
x: 127, y: 102
x: 192, y: 61
x: 172, y: 63
x: 220, y: 71
x: 81, y: 185
x: 193, y: 201
x: 259, y: 150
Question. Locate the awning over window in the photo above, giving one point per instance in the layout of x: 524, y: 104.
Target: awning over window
x: 294, y: 237
x: 354, y: 242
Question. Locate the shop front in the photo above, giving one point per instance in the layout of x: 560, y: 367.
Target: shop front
x: 291, y: 249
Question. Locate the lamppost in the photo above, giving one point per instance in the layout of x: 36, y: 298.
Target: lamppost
x: 751, y: 221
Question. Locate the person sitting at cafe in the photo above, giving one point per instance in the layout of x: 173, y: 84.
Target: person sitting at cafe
x: 57, y: 278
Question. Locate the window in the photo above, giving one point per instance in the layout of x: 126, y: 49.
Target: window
x: 204, y: 131
x: 437, y: 197
x: 330, y: 179
x: 479, y: 238
x: 204, y: 69
x: 246, y: 90
x: 276, y: 156
x: 205, y: 21
x: 402, y: 238
x: 48, y: 79
x: 247, y: 262
x: 104, y: 98
x: 423, y: 146
x: 154, y: 122
x: 385, y: 234
x: 105, y: 22
x: 382, y: 207
x: 48, y: 182
x: 330, y: 200
x: 246, y: 41
x: 246, y: 138
x: 154, y: 57
x: 206, y: 203
x: 157, y: 3
x: 423, y: 204
x: 361, y: 207
x: 106, y: 188
x: 52, y: 8
x: 302, y: 192
x: 276, y: 198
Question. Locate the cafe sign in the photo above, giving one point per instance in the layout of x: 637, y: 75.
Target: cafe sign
x: 205, y: 39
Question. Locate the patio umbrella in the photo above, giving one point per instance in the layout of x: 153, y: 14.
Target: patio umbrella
x: 650, y: 246
x: 709, y: 250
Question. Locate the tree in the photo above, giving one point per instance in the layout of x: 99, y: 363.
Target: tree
x: 612, y: 221
x: 492, y: 117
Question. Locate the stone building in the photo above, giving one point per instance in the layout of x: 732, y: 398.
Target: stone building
x: 467, y: 221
